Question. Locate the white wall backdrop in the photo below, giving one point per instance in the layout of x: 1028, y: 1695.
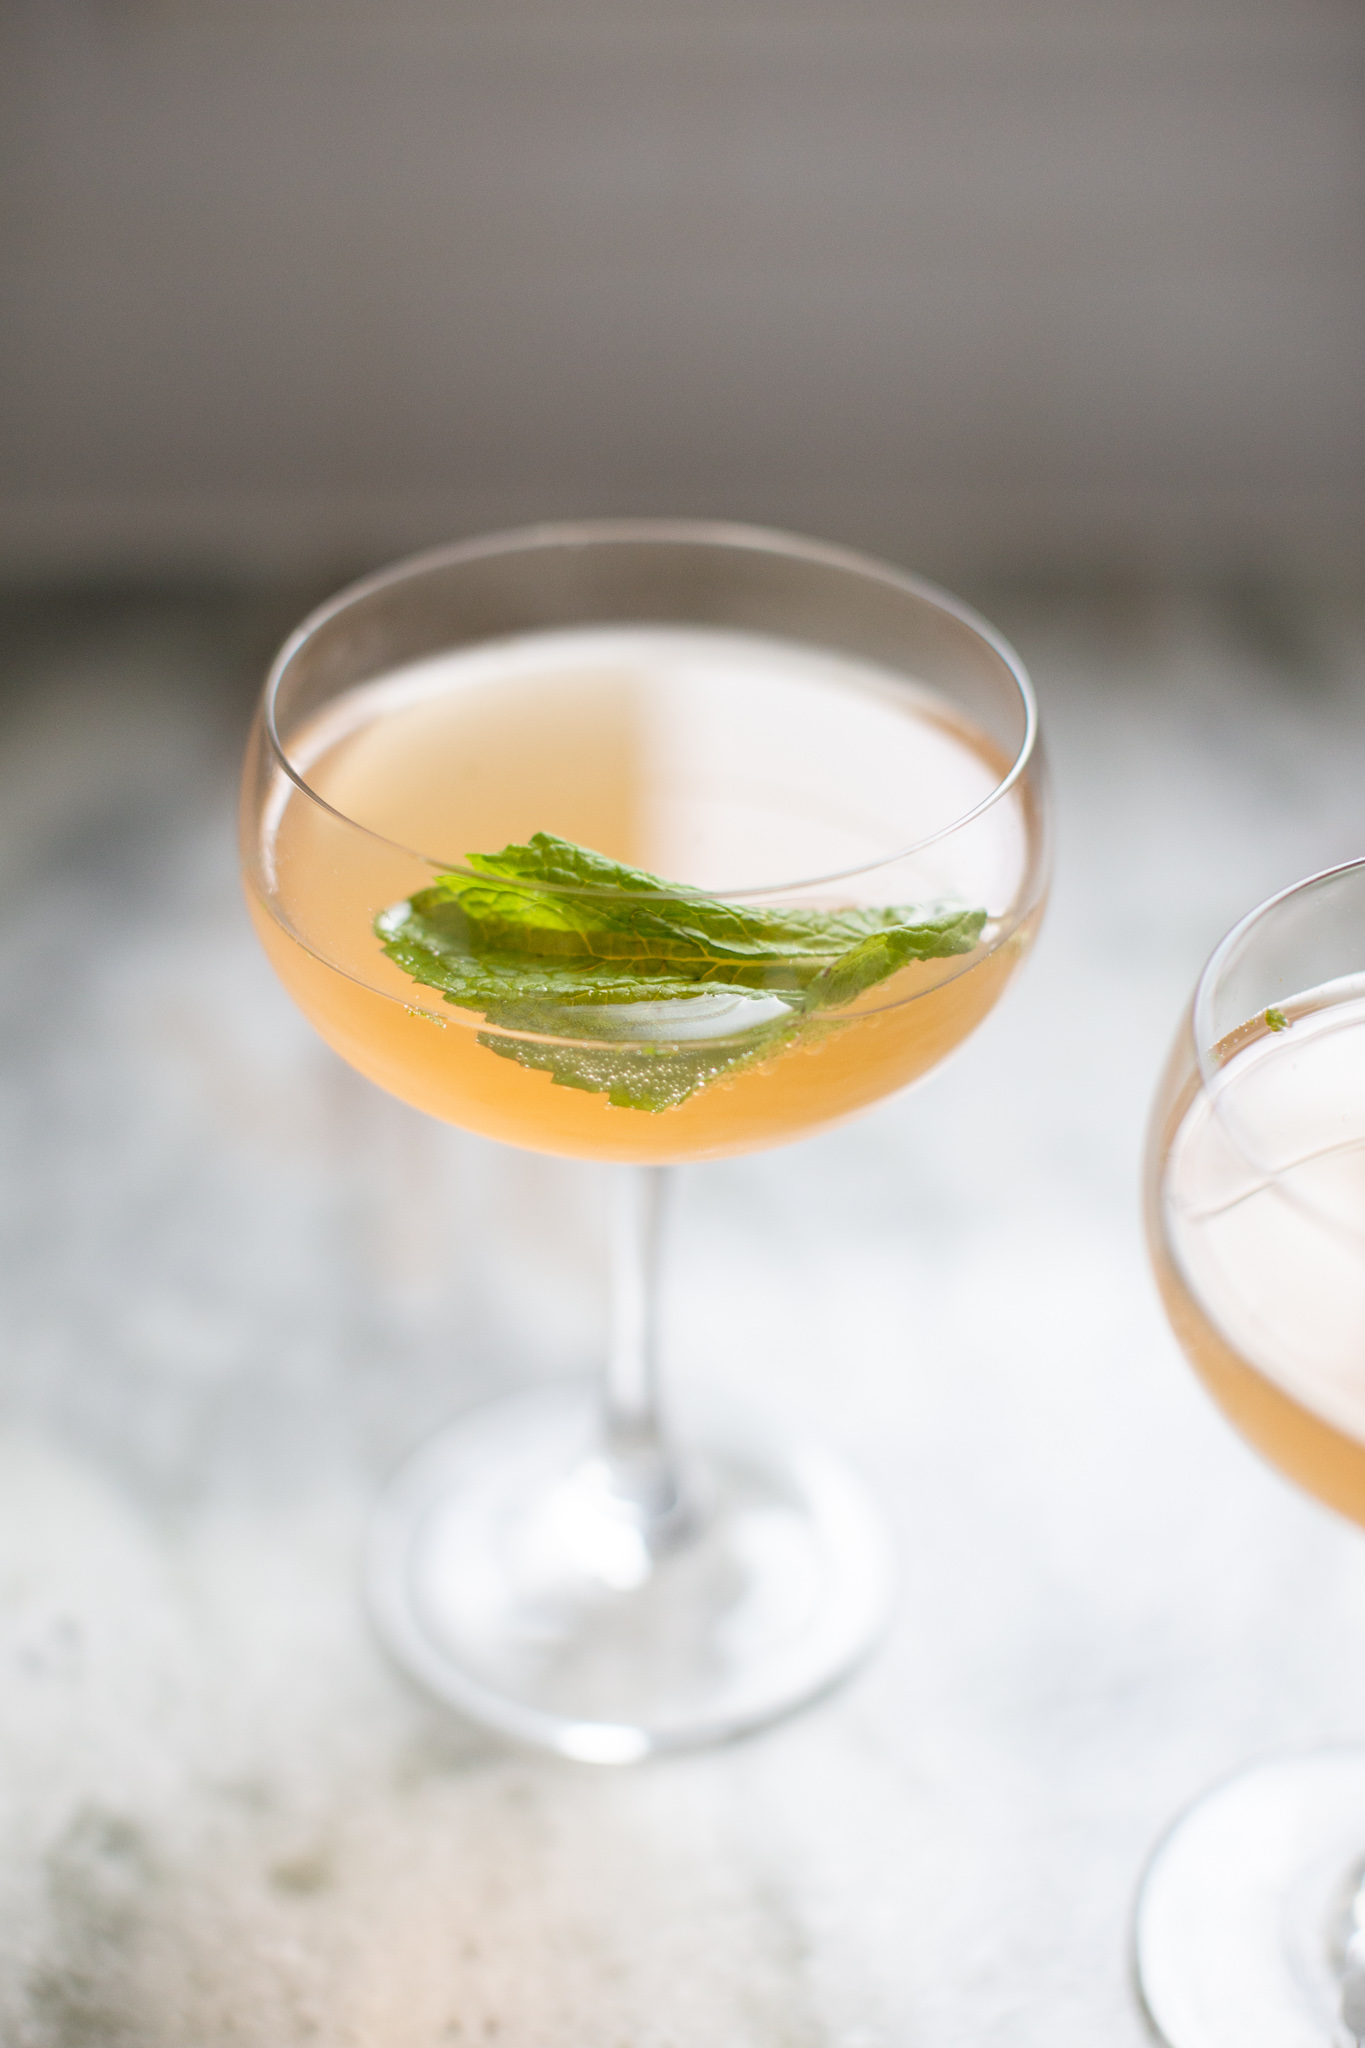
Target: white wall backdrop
x: 1002, y: 284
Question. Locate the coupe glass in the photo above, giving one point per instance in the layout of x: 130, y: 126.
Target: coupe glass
x: 679, y: 698
x: 1251, y: 1920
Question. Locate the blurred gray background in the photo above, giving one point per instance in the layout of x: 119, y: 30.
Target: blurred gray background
x: 1019, y: 286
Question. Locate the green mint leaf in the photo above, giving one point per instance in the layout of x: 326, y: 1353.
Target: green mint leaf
x: 651, y: 1078
x: 562, y: 902
x: 1276, y: 1020
x: 431, y: 940
x: 885, y: 952
x: 664, y: 990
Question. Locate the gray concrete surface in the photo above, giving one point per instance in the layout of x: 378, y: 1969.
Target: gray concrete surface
x: 236, y: 1284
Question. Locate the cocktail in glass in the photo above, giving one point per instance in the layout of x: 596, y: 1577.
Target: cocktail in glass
x: 1251, y: 1923
x: 645, y: 843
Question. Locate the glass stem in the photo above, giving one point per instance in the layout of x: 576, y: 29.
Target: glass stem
x: 643, y: 1468
x: 1353, y: 1975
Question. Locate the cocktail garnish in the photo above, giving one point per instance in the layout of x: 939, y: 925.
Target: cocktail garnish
x: 673, y: 989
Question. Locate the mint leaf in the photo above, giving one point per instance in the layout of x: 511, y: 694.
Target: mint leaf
x: 433, y: 942
x: 553, y: 899
x: 673, y: 989
x: 635, y: 1077
x: 885, y: 952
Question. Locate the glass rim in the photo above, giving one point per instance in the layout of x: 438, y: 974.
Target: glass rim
x: 697, y: 532
x: 1201, y: 1014
x: 1213, y: 1071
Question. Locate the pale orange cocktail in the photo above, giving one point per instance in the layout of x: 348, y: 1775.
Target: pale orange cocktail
x: 721, y: 761
x: 1258, y: 1235
x: 640, y: 843
x: 1251, y: 1922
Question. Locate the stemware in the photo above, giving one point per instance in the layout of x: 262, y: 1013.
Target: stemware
x: 768, y: 747
x: 1250, y: 1918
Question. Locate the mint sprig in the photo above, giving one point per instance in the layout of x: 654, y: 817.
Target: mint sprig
x: 673, y: 989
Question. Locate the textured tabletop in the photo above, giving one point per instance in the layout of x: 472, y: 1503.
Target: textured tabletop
x: 237, y: 1284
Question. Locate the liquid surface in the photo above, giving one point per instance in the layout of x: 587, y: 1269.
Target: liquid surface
x: 1264, y: 1220
x: 721, y: 761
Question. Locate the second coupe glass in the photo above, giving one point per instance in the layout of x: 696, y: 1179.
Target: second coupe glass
x: 1251, y: 1921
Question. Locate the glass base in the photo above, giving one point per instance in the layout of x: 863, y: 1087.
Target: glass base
x: 1246, y: 1907
x: 509, y: 1578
